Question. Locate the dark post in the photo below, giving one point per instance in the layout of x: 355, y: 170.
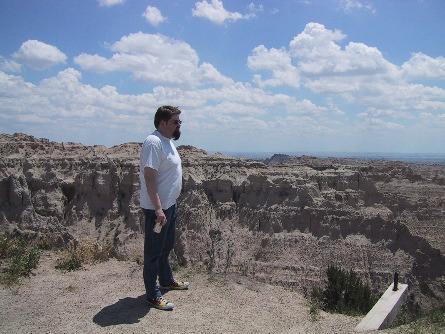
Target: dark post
x: 396, y: 281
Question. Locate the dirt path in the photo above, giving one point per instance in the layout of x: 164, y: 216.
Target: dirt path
x: 109, y: 298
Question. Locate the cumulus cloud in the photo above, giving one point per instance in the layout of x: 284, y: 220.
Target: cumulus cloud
x: 421, y: 66
x: 157, y: 45
x: 9, y: 65
x: 12, y: 87
x: 316, y: 41
x: 319, y: 55
x: 110, y: 3
x: 215, y: 12
x: 153, y: 16
x: 278, y: 61
x: 358, y: 73
x: 62, y: 98
x: 155, y: 59
x: 385, y: 97
x: 306, y: 107
x: 39, y: 55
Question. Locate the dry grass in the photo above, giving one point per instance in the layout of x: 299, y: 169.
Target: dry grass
x: 84, y: 251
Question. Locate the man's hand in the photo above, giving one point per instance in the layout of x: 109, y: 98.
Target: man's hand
x: 161, y: 217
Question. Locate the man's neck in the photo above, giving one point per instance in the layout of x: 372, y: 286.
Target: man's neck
x: 162, y: 132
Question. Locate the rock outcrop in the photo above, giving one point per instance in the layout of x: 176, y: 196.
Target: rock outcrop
x: 283, y: 222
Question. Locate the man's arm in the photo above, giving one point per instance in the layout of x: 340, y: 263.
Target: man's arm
x: 152, y: 189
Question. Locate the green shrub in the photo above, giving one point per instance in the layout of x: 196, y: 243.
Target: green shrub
x: 344, y: 293
x: 18, y: 257
x: 73, y: 262
x: 5, y: 246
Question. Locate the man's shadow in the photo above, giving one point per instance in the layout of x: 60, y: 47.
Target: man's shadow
x: 126, y: 311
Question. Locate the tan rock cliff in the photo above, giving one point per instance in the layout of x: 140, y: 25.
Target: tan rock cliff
x: 284, y: 222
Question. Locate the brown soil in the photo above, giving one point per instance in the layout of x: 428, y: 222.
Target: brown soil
x: 109, y: 298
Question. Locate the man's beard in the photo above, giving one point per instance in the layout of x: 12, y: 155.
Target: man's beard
x: 176, y: 134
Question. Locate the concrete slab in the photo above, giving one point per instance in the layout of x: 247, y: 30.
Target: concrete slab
x: 385, y: 310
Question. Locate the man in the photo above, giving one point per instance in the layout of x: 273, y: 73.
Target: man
x: 161, y: 183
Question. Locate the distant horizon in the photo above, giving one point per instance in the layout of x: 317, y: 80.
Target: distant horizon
x: 409, y: 157
x: 425, y: 158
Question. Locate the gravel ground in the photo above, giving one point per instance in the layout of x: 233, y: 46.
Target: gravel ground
x: 109, y: 298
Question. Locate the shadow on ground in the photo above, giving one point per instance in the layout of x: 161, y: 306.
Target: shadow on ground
x: 126, y: 311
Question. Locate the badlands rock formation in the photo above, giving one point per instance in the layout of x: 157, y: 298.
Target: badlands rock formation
x: 281, y: 221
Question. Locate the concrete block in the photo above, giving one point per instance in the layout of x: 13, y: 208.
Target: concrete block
x: 385, y: 310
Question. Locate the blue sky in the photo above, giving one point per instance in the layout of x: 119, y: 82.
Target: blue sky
x: 249, y: 76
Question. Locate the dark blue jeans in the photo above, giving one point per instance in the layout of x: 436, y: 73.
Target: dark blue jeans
x: 157, y: 248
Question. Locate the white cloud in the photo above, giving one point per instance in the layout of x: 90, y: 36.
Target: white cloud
x: 352, y: 5
x: 216, y: 12
x: 110, y: 3
x: 153, y: 16
x: 316, y: 41
x: 306, y: 107
x: 421, y: 66
x: 64, y: 98
x: 433, y: 122
x: 380, y: 124
x: 254, y: 8
x: 39, y: 55
x: 323, y: 78
x: 245, y: 94
x: 12, y: 86
x: 155, y: 59
x: 376, y: 113
x: 157, y: 45
x: 9, y: 65
x: 333, y: 106
x: 63, y: 107
x: 276, y: 61
x: 232, y: 108
x: 357, y: 73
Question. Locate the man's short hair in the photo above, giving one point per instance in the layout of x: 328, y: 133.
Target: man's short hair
x: 164, y: 113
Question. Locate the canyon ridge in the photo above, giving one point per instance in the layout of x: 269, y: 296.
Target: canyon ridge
x: 283, y: 220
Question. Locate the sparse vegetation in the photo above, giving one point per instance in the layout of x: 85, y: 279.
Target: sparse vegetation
x: 69, y: 262
x: 84, y: 251
x: 344, y: 293
x: 430, y: 322
x: 314, y: 312
x: 71, y: 288
x: 17, y: 258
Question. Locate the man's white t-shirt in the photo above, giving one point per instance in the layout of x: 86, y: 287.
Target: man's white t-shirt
x: 159, y: 153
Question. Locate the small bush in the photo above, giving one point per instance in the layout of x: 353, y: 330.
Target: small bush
x: 314, y: 312
x: 85, y: 251
x: 5, y: 245
x: 18, y: 257
x: 69, y: 264
x: 344, y: 293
